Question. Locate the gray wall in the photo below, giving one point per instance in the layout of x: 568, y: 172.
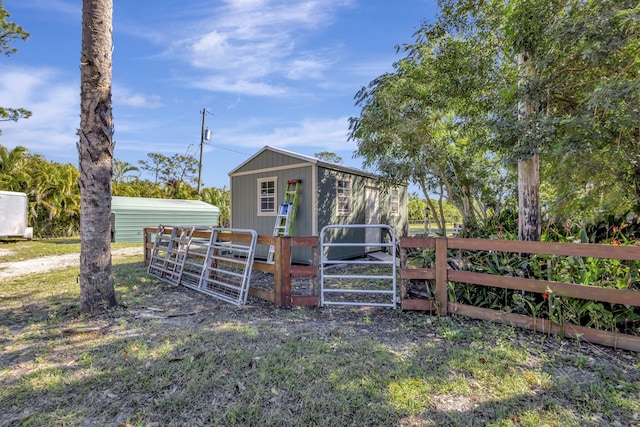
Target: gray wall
x: 327, y: 212
x: 244, y: 206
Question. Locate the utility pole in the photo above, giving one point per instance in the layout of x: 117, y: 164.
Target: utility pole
x: 204, y: 135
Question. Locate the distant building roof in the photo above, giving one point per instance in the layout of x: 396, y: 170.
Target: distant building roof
x: 122, y: 202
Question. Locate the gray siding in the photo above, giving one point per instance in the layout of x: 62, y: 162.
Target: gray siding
x: 244, y: 206
x: 270, y: 163
x: 327, y: 209
x: 268, y: 159
x: 399, y: 222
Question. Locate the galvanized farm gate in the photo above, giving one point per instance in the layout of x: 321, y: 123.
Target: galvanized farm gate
x: 362, y: 281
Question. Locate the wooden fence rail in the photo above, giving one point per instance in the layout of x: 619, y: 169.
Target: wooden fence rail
x: 282, y: 269
x: 442, y: 275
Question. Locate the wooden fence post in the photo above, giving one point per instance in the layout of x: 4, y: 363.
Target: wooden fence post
x: 441, y: 274
x: 315, y: 260
x: 146, y: 241
x: 282, y: 273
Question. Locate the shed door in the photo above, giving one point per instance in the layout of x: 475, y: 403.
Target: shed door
x: 372, y: 216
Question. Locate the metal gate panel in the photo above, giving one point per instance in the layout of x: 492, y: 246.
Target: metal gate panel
x: 228, y: 264
x: 168, y: 254
x: 358, y: 288
x: 196, y: 252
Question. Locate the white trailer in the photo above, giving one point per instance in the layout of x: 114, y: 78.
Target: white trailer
x: 13, y: 215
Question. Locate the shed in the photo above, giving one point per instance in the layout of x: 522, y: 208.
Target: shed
x: 130, y: 215
x: 329, y: 194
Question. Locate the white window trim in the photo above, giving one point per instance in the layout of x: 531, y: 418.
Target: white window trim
x: 397, y: 212
x: 275, y: 196
x: 338, y: 212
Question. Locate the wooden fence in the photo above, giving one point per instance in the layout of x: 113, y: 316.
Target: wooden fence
x: 442, y: 275
x: 283, y: 271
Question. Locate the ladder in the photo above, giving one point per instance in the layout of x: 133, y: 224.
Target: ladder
x: 286, y: 218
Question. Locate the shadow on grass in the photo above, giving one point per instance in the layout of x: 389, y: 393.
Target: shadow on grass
x: 62, y: 241
x: 239, y: 366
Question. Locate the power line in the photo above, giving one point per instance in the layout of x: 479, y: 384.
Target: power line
x: 229, y: 149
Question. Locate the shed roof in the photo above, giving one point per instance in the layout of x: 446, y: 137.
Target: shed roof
x: 305, y: 158
x: 124, y: 203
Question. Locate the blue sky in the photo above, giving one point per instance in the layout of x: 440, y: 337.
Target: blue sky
x: 271, y: 72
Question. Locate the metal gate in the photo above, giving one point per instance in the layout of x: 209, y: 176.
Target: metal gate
x: 228, y: 264
x: 169, y: 252
x: 359, y: 281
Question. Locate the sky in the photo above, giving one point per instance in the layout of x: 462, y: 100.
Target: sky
x: 268, y: 72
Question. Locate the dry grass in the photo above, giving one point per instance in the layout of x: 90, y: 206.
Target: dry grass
x: 171, y: 357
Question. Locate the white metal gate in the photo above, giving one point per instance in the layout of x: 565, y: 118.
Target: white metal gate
x: 361, y: 281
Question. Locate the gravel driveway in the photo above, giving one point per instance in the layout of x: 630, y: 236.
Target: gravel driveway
x: 44, y: 264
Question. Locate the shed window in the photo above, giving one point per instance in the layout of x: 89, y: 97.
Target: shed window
x: 267, y: 196
x: 395, y: 202
x: 343, y: 197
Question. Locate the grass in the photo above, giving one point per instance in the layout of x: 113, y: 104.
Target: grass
x: 20, y: 250
x: 200, y: 362
x: 417, y: 228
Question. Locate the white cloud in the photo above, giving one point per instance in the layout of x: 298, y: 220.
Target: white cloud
x: 245, y: 4
x: 324, y: 134
x: 299, y: 69
x: 54, y: 103
x: 124, y: 97
x: 246, y: 43
x: 244, y: 87
x: 70, y: 8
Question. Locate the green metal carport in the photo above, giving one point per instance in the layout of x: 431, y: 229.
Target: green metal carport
x: 130, y: 215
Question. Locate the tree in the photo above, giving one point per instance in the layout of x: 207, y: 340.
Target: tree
x: 138, y: 188
x: 421, y: 124
x: 52, y: 189
x: 54, y: 197
x: 182, y: 168
x: 221, y: 198
x: 96, y: 155
x: 10, y: 159
x: 157, y: 165
x: 10, y: 32
x: 329, y: 157
x: 121, y: 170
x: 570, y: 101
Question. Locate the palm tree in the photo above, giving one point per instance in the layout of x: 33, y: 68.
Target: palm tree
x: 10, y: 159
x: 121, y: 169
x: 10, y: 162
x: 220, y: 197
x: 96, y: 154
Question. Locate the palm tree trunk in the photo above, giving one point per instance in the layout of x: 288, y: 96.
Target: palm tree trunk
x: 95, y: 150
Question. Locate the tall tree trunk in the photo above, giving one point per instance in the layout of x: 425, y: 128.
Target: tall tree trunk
x: 529, y: 199
x: 95, y: 150
x: 528, y: 169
